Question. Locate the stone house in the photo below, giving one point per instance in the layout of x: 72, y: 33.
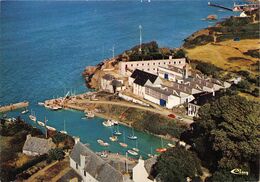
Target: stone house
x: 37, y: 146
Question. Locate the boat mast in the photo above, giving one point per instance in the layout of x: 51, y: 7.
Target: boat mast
x: 46, y: 131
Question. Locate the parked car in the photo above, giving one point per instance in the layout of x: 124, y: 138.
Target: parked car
x: 171, y: 116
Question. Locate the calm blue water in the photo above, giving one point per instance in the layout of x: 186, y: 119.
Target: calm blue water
x: 45, y: 46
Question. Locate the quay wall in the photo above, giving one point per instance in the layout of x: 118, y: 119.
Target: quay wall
x: 12, y: 107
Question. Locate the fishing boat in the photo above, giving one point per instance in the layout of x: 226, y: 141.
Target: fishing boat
x: 64, y: 130
x: 123, y: 144
x: 108, y: 123
x: 113, y: 138
x: 171, y: 145
x: 25, y: 111
x: 90, y: 114
x: 132, y: 137
x: 102, y: 143
x: 41, y: 123
x: 151, y: 153
x: 117, y: 132
x: 41, y: 103
x: 135, y: 148
x: 132, y: 152
x: 162, y: 149
x: 50, y: 128
x: 115, y: 122
x: 32, y: 116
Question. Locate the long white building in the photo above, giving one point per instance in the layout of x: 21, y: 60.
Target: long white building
x: 126, y: 68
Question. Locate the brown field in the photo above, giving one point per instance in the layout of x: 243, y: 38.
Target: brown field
x: 227, y: 55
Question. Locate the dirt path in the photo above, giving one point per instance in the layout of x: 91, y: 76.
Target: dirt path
x: 158, y: 109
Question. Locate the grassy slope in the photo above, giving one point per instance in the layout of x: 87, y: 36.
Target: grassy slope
x: 219, y: 54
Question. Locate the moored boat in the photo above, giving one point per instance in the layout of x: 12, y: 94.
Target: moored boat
x: 135, y: 149
x: 113, y: 138
x: 90, y: 114
x: 132, y: 137
x: 160, y: 150
x: 41, y: 103
x: 123, y: 144
x: 64, y: 130
x: 132, y: 152
x: 108, y: 123
x: 171, y: 145
x: 41, y: 123
x: 32, y: 116
x: 50, y: 128
x: 102, y: 143
x: 25, y: 111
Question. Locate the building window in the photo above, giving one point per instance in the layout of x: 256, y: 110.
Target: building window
x: 179, y: 62
x: 158, y: 63
x: 148, y: 69
x: 137, y: 65
x: 154, y: 69
x: 148, y: 64
x: 174, y: 62
x: 77, y: 166
x: 131, y: 65
x: 169, y: 62
x: 164, y: 62
x: 143, y: 64
x: 85, y: 173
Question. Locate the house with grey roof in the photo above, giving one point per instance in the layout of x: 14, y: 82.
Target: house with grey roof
x: 142, y: 171
x: 109, y: 83
x: 37, y: 146
x: 91, y: 167
x: 139, y: 79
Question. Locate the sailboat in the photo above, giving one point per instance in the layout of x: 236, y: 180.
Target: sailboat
x: 162, y: 149
x: 113, y: 138
x: 32, y: 116
x: 25, y: 111
x: 117, y: 132
x: 151, y: 153
x: 132, y: 152
x: 41, y: 123
x: 123, y: 144
x: 64, y: 130
x: 135, y: 148
x: 132, y: 137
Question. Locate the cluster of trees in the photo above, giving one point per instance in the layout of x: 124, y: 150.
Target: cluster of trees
x: 225, y: 136
x: 160, y: 125
x: 177, y: 164
x: 208, y: 69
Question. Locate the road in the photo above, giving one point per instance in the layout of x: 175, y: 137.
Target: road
x: 158, y: 110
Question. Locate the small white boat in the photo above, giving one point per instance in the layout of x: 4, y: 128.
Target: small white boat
x: 150, y: 155
x: 41, y: 123
x: 171, y: 145
x: 90, y: 115
x: 32, y: 116
x: 135, y: 149
x: 132, y: 137
x: 25, y: 111
x: 102, y: 143
x: 132, y: 152
x: 64, y: 130
x: 113, y: 138
x: 50, y: 128
x: 40, y: 103
x: 117, y: 132
x: 115, y: 122
x: 108, y: 123
x: 123, y: 144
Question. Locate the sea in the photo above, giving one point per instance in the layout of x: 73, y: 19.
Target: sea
x: 45, y: 46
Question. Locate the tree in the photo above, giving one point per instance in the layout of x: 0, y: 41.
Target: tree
x: 176, y: 164
x: 230, y: 128
x: 56, y: 154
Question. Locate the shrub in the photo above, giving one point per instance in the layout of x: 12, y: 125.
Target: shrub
x: 56, y: 154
